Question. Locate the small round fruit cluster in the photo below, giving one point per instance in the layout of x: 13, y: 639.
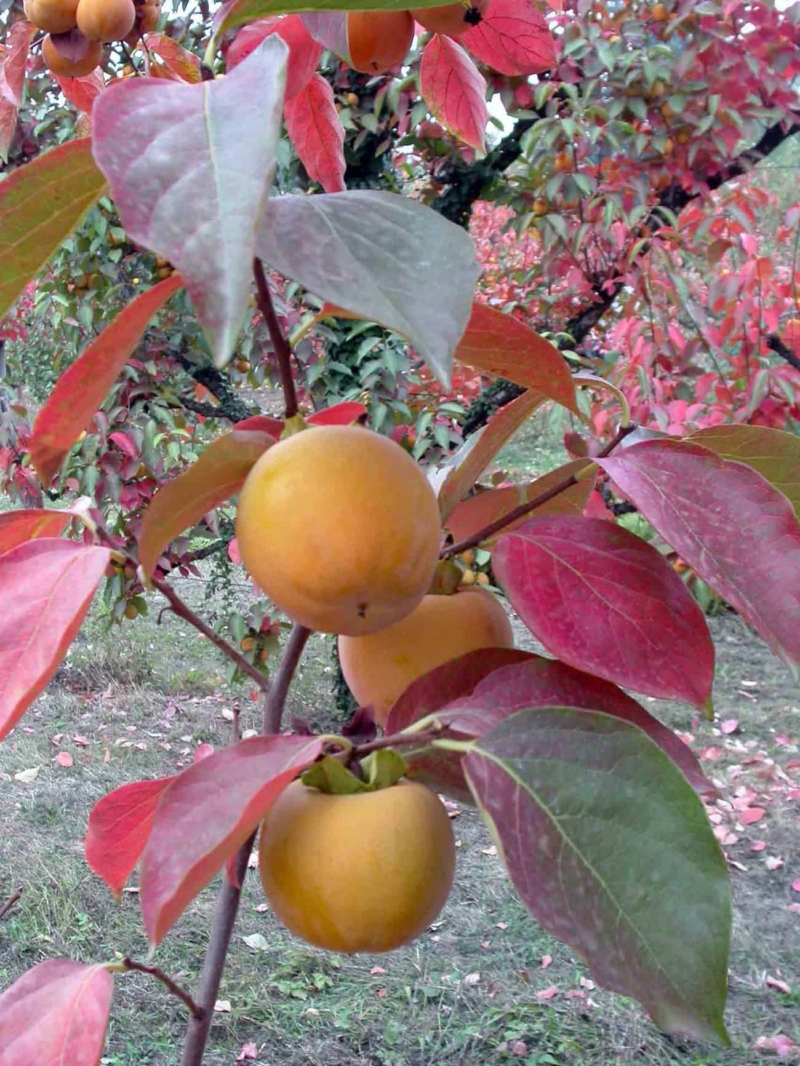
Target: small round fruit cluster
x: 77, y: 29
x: 379, y: 40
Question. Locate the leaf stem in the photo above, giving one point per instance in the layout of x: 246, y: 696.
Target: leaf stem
x: 276, y: 695
x: 154, y: 971
x: 15, y: 897
x: 530, y: 505
x: 283, y: 352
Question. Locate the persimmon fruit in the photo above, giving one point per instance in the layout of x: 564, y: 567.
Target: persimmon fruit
x: 52, y: 16
x: 451, y: 19
x: 378, y: 668
x: 340, y: 528
x: 362, y: 872
x: 79, y: 67
x: 106, y: 20
x: 378, y: 40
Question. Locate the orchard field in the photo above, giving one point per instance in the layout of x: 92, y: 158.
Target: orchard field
x: 127, y: 706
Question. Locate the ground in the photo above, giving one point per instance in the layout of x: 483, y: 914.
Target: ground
x: 477, y: 988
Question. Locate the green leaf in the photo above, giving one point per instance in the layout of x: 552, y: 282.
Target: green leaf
x: 40, y: 205
x: 773, y: 453
x: 611, y: 850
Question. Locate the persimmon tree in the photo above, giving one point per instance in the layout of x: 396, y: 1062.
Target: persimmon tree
x: 596, y: 806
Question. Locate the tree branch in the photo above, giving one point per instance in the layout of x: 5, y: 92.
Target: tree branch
x: 184, y: 611
x: 530, y: 505
x: 166, y: 980
x: 276, y: 695
x: 775, y: 344
x: 283, y: 352
x: 230, y: 405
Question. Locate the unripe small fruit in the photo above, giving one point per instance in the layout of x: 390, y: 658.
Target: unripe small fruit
x: 57, y: 63
x: 468, y: 557
x: 482, y: 579
x: 365, y: 872
x: 52, y: 16
x: 351, y: 99
x: 242, y: 365
x: 563, y: 160
x: 539, y: 207
x: 659, y: 13
x: 451, y: 19
x: 106, y: 20
x: 468, y: 577
x: 378, y: 40
x: 248, y: 643
x: 131, y: 612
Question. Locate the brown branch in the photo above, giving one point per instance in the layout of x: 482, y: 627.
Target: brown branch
x: 15, y: 897
x: 166, y: 980
x: 775, y: 344
x: 221, y: 930
x: 530, y: 505
x: 276, y: 696
x: 182, y: 610
x: 280, y: 344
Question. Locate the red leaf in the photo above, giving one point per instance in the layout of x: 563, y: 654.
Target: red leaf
x: 82, y: 387
x: 46, y: 587
x: 314, y: 129
x: 341, y: 414
x: 498, y: 344
x: 261, y: 424
x: 454, y: 90
x: 222, y: 156
x: 125, y: 444
x: 512, y: 38
x: 216, y: 476
x: 464, y: 468
x: 82, y: 92
x: 56, y: 1013
x: 448, y: 682
x: 202, y: 752
x: 539, y: 682
x: 183, y: 64
x: 64, y: 759
x: 606, y: 602
x: 17, y: 527
x: 476, y: 512
x: 729, y: 524
x: 209, y: 811
x: 304, y: 51
x: 119, y: 825
x: 14, y: 60
x: 8, y: 125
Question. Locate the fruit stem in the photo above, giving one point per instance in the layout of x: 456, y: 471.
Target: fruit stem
x: 278, y: 690
x: 283, y: 352
x: 530, y: 505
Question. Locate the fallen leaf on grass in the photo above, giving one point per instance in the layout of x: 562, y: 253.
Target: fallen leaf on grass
x: 795, y: 884
x: 517, y: 1047
x: 730, y: 725
x: 377, y: 971
x: 257, y: 941
x: 27, y: 777
x: 64, y: 759
x: 773, y: 862
x: 82, y: 742
x: 775, y: 982
x: 249, y: 1051
x: 546, y: 960
x: 750, y: 815
x: 758, y: 845
x: 471, y: 980
x: 223, y: 1006
x: 780, y: 1045
x: 547, y: 993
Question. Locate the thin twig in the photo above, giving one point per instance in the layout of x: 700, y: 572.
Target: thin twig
x: 530, y: 505
x: 283, y: 352
x: 184, y: 611
x: 276, y: 696
x: 236, y: 725
x: 166, y: 980
x: 15, y: 896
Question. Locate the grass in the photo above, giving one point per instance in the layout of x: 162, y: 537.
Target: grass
x: 135, y: 703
